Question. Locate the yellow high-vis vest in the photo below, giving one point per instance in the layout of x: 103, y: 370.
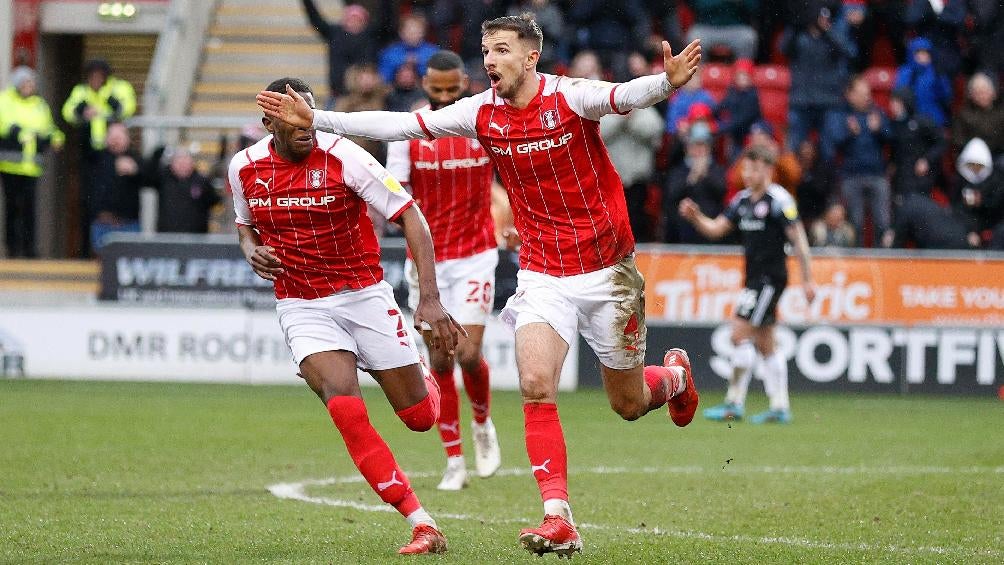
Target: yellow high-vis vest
x: 32, y: 117
x: 113, y: 88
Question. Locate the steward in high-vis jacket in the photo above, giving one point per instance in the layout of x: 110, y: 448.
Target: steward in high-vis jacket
x: 101, y: 100
x: 26, y: 131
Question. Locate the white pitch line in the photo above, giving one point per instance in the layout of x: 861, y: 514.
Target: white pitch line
x: 297, y: 491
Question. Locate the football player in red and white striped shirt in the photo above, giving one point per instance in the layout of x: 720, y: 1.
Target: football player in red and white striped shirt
x: 300, y: 199
x: 577, y: 263
x: 451, y: 178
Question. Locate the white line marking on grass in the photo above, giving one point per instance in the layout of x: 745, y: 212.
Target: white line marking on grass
x: 298, y: 491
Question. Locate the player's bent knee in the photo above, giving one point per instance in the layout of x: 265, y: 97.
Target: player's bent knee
x: 420, y: 417
x: 628, y: 409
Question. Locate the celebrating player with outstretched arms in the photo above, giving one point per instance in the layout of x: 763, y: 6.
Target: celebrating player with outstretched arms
x: 300, y: 199
x: 577, y: 270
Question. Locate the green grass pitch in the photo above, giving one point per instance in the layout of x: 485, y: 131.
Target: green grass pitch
x: 179, y: 473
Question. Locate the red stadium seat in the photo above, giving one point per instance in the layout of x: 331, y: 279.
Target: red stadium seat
x: 716, y: 78
x: 881, y: 81
x: 773, y: 83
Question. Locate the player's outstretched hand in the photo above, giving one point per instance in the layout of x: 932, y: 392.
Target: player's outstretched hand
x: 446, y: 331
x: 684, y: 65
x: 264, y: 262
x: 290, y: 107
x: 688, y: 209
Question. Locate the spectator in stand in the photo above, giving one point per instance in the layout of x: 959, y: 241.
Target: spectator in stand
x: 681, y: 101
x: 350, y: 42
x: 366, y: 92
x: 982, y: 116
x: 611, y: 29
x: 979, y: 195
x: 632, y: 141
x: 819, y: 52
x: 787, y: 170
x: 406, y: 92
x: 725, y: 22
x: 833, y: 229
x: 700, y: 178
x: 100, y: 100
x: 860, y: 133
x: 551, y: 21
x: 917, y: 146
x: 941, y: 21
x: 740, y: 108
x: 815, y: 188
x: 922, y: 223
x: 412, y: 48
x: 586, y: 64
x: 115, y: 188
x: 26, y: 131
x: 932, y: 90
x: 185, y: 197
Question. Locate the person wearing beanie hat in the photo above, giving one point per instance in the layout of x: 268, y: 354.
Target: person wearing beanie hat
x: 26, y: 130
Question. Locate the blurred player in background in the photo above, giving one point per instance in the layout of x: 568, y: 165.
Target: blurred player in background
x: 300, y: 198
x: 577, y: 270
x: 767, y: 217
x: 451, y: 179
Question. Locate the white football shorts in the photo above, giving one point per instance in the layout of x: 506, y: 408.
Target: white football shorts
x: 367, y: 322
x: 466, y: 286
x: 607, y: 307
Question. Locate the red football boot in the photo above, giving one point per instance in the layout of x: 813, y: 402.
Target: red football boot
x: 682, y: 406
x: 555, y: 535
x: 424, y: 539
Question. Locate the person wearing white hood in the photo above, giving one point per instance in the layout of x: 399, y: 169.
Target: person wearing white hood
x: 979, y: 198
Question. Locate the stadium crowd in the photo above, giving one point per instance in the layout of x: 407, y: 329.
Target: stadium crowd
x: 886, y: 114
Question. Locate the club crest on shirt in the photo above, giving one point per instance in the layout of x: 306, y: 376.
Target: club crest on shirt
x: 316, y: 177
x: 761, y: 209
x: 427, y: 144
x: 549, y: 118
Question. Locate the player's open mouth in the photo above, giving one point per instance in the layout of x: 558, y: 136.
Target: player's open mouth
x: 495, y: 78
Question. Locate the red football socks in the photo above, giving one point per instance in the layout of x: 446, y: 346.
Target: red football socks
x: 449, y: 413
x: 659, y: 380
x: 478, y: 388
x: 371, y: 455
x: 423, y: 415
x: 545, y: 446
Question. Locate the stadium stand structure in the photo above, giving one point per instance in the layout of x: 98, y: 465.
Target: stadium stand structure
x: 249, y: 44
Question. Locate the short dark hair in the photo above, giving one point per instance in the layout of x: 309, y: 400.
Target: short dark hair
x: 762, y: 153
x: 524, y: 25
x: 97, y: 65
x: 297, y: 84
x: 445, y: 60
x: 279, y: 85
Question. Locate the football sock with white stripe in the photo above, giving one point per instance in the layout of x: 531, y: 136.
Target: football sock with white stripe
x: 545, y: 447
x: 371, y: 455
x: 449, y: 413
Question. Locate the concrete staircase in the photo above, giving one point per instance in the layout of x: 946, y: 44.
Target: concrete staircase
x: 249, y: 44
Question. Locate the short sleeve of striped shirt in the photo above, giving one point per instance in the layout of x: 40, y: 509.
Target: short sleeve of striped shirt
x: 370, y: 180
